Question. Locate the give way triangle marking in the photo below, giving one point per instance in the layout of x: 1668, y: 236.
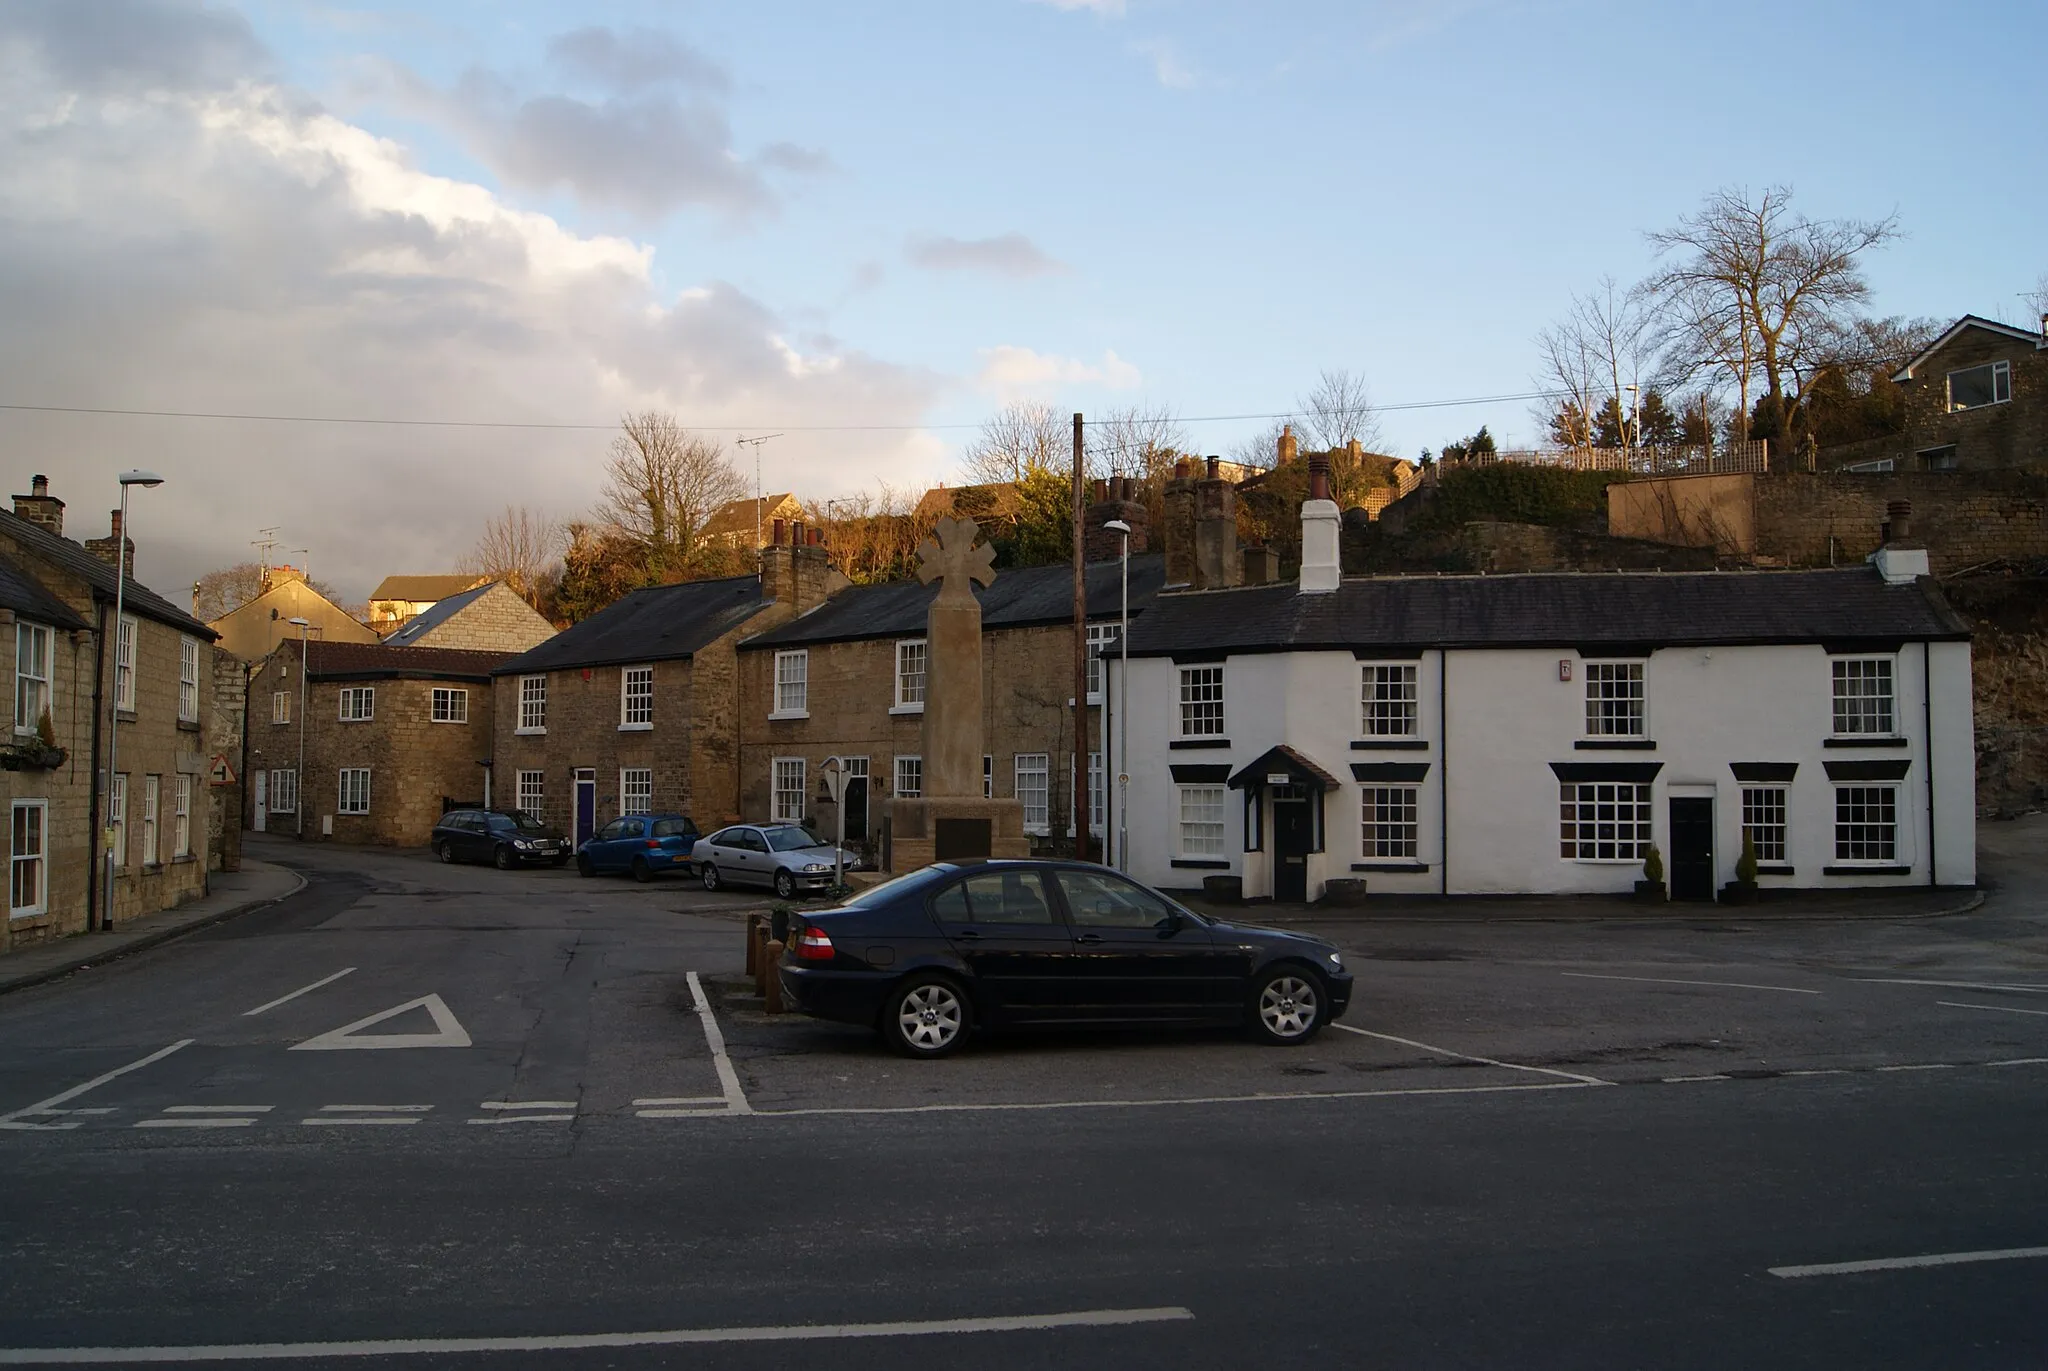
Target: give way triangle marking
x: 447, y: 1031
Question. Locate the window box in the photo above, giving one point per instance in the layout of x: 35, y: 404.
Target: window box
x: 32, y: 754
x: 1874, y: 869
x: 1412, y: 868
x: 1866, y: 742
x: 1390, y: 745
x: 1199, y: 864
x: 1197, y: 744
x: 1615, y: 745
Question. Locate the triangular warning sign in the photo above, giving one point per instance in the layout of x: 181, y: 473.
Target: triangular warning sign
x: 448, y: 1033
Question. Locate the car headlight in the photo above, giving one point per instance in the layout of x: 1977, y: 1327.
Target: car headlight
x: 815, y: 867
x: 1336, y: 961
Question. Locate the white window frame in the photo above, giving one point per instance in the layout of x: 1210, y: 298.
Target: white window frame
x: 530, y: 792
x: 2001, y: 386
x: 1845, y: 844
x: 152, y: 794
x: 910, y: 684
x: 1201, y: 821
x: 1384, y: 689
x: 448, y: 705
x: 1196, y: 682
x: 792, y: 686
x: 284, y: 790
x: 633, y: 790
x: 125, y: 639
x: 280, y: 706
x: 988, y: 776
x: 33, y: 646
x: 906, y: 780
x: 1031, y: 773
x: 533, y: 705
x: 117, y: 818
x: 781, y: 792
x: 1851, y: 671
x: 1767, y: 822
x: 352, y: 794
x: 1580, y: 806
x: 1100, y: 636
x: 357, y: 704
x: 181, y: 816
x: 1390, y: 822
x: 188, y: 680
x: 1622, y: 720
x: 34, y: 864
x: 636, y: 699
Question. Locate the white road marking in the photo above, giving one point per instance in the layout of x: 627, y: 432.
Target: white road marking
x: 1681, y: 1080
x: 570, y: 1342
x: 447, y: 1031
x: 188, y: 1122
x: 1269, y: 1098
x: 218, y: 1108
x: 735, y: 1098
x: 356, y: 1121
x: 1956, y: 985
x: 1468, y: 1057
x: 527, y: 1104
x: 678, y: 1099
x: 1666, y: 980
x: 285, y: 999
x: 41, y: 1106
x: 2003, y: 1254
x: 1919, y: 1066
x: 527, y: 1118
x: 2021, y: 1061
x: 375, y: 1108
x: 716, y: 1108
x: 1821, y: 1071
x: 1994, y: 1008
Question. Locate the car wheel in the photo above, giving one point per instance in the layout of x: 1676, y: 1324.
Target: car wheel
x: 503, y: 858
x: 642, y: 872
x: 1288, y: 1005
x: 785, y: 886
x: 583, y: 866
x: 928, y: 1016
x: 445, y: 852
x: 710, y: 876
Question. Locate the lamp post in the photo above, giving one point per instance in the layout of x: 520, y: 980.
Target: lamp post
x: 147, y: 480
x: 1632, y: 428
x: 299, y: 776
x: 1123, y: 700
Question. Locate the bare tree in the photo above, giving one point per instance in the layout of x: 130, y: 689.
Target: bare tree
x: 521, y: 547
x: 228, y: 589
x: 1141, y: 441
x: 1600, y: 346
x: 661, y: 483
x: 1337, y: 412
x: 1022, y: 437
x: 1758, y: 292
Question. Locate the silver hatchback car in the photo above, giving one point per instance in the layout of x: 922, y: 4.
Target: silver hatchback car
x: 782, y: 856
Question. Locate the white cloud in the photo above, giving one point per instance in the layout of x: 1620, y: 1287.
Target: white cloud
x: 208, y: 243
x: 1007, y: 254
x: 1167, y: 66
x: 1108, y: 9
x: 1013, y: 372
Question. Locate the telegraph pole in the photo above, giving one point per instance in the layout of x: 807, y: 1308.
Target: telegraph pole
x: 1080, y: 772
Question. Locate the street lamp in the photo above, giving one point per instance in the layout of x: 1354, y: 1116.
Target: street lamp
x: 1632, y: 432
x: 299, y: 776
x: 1123, y: 701
x: 147, y: 480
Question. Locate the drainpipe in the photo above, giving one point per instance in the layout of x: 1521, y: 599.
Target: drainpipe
x: 1927, y: 746
x: 1443, y: 762
x: 93, y: 827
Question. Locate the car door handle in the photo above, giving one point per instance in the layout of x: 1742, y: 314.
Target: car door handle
x: 968, y: 935
x: 1088, y: 939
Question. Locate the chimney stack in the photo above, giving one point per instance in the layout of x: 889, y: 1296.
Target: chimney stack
x: 1321, y: 565
x: 114, y: 549
x: 1177, y: 536
x: 1116, y: 498
x: 39, y: 507
x: 1288, y: 447
x: 1217, y: 563
x: 1899, y: 560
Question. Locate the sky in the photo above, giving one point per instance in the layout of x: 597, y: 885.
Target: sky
x: 866, y: 227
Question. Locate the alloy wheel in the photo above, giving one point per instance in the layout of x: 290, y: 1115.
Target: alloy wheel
x: 1288, y: 1006
x: 929, y: 1016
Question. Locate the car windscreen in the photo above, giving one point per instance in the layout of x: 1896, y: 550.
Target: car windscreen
x: 908, y: 883
x: 524, y: 822
x: 789, y: 839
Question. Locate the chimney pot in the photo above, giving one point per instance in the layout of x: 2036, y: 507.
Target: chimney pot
x: 777, y: 534
x: 1182, y: 468
x: 1898, y: 521
x: 1215, y: 468
x: 1319, y: 476
x: 39, y: 484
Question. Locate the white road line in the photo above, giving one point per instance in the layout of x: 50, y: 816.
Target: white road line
x: 375, y: 1108
x: 286, y: 999
x: 1994, y: 1008
x: 527, y: 1104
x: 218, y: 1108
x: 678, y: 1099
x: 1681, y: 1080
x: 1270, y: 1098
x: 195, y: 1123
x: 9, y: 1120
x: 735, y: 1098
x: 356, y: 1121
x: 1468, y: 1057
x: 1666, y: 980
x: 2003, y: 1254
x: 1956, y: 985
x: 2011, y: 1061
x: 1919, y: 1066
x: 528, y: 1118
x: 716, y: 1108
x: 570, y: 1342
x: 1821, y: 1071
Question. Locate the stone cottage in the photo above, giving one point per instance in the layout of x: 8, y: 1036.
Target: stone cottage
x: 485, y: 618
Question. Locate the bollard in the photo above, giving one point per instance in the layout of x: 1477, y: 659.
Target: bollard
x: 761, y: 968
x: 753, y: 956
x: 772, y: 992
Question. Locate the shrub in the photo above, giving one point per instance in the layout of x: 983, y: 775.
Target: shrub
x: 1745, y: 865
x: 1653, y: 866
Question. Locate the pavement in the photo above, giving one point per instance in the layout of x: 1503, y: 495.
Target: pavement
x: 434, y: 1116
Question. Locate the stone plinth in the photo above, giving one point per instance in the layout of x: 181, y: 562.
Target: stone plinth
x: 942, y: 828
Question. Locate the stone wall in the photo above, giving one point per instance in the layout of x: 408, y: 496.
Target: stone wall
x: 225, y: 734
x: 2009, y: 661
x: 584, y: 731
x: 155, y: 742
x: 1965, y: 518
x: 1715, y: 511
x: 1502, y: 548
x: 496, y: 621
x: 66, y: 791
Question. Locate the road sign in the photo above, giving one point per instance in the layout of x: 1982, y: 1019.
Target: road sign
x: 218, y: 772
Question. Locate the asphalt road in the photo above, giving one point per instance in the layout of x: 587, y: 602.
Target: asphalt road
x: 1543, y: 1145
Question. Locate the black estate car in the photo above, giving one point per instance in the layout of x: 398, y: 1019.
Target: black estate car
x: 927, y: 957
x: 504, y: 837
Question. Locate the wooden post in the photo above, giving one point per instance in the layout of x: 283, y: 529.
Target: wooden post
x: 771, y: 982
x: 1080, y: 769
x: 753, y: 956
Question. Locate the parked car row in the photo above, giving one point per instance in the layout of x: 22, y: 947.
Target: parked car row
x: 785, y: 858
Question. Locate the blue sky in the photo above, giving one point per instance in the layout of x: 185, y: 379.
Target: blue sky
x: 928, y: 208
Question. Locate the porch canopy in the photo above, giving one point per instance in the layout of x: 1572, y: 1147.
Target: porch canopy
x: 1283, y: 762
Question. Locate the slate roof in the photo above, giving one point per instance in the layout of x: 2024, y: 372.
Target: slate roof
x: 381, y: 661
x: 29, y: 598
x: 421, y: 589
x: 1020, y: 596
x: 1562, y: 610
x: 435, y: 615
x: 658, y: 624
x: 136, y: 599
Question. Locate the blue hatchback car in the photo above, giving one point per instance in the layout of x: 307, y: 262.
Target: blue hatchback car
x: 643, y: 844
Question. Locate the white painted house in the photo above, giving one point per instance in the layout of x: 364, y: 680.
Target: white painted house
x: 1538, y: 733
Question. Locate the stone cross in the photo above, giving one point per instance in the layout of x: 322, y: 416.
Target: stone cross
x: 952, y: 683
x: 952, y: 557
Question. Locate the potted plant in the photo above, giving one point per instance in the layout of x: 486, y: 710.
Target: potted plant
x: 1650, y: 889
x: 37, y: 753
x: 1742, y: 890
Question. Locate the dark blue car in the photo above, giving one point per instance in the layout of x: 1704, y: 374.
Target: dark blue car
x: 645, y: 845
x: 927, y: 957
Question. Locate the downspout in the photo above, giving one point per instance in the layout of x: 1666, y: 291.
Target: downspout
x: 95, y: 822
x: 1443, y: 762
x: 1927, y: 746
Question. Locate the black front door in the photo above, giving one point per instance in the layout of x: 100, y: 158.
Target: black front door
x: 1293, y: 835
x: 856, y: 803
x: 1692, y: 849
